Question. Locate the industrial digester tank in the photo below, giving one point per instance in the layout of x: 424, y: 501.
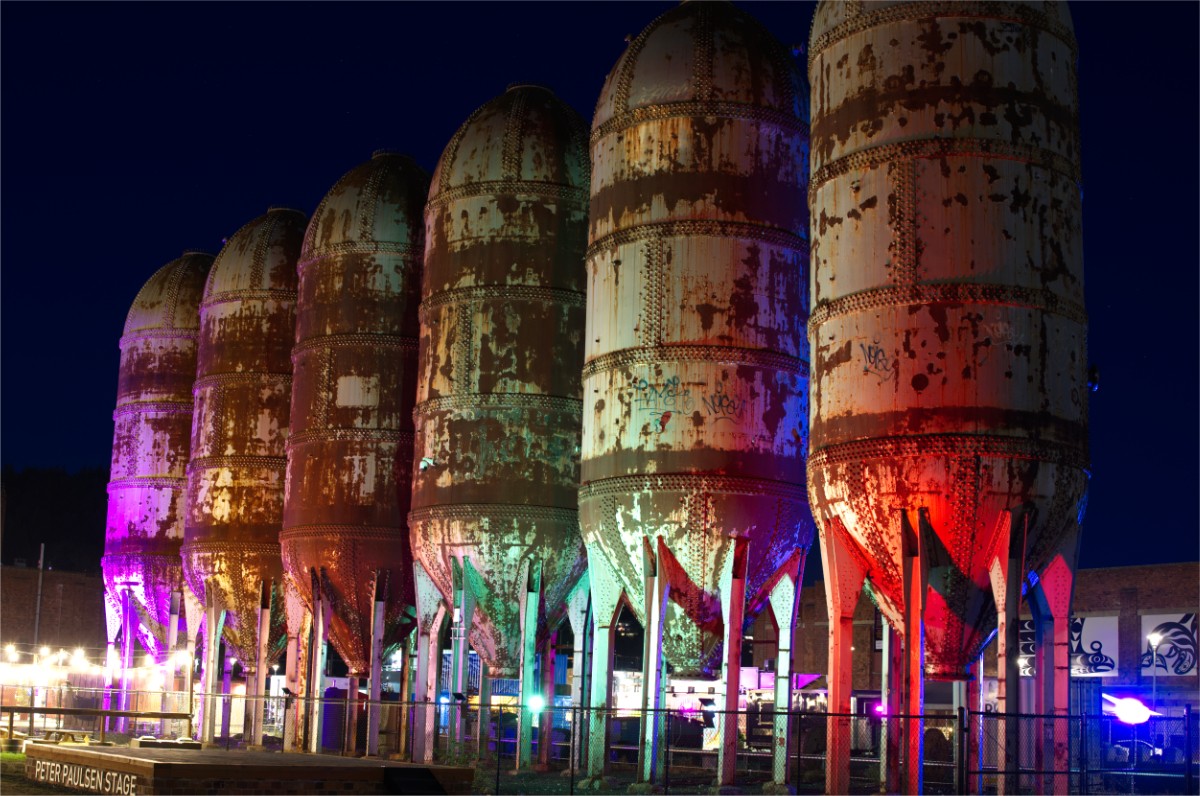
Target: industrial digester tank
x: 345, y: 535
x: 239, y: 431
x: 693, y: 502
x: 494, y: 514
x: 143, y: 573
x: 949, y: 393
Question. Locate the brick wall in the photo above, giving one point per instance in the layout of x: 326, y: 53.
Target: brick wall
x: 1127, y: 592
x: 72, y: 608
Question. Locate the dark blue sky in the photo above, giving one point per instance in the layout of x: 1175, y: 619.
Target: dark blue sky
x: 131, y: 132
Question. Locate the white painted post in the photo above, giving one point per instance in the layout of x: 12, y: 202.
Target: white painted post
x: 374, y: 709
x: 733, y: 604
x: 657, y: 593
x: 529, y: 617
x: 785, y: 604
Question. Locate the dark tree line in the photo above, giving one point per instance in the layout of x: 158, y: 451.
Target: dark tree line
x: 65, y: 510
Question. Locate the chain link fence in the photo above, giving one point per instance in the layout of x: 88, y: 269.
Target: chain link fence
x: 606, y: 751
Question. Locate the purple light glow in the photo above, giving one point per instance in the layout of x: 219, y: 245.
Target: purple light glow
x: 881, y: 709
x: 1131, y: 711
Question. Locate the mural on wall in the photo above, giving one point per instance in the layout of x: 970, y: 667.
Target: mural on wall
x: 1176, y: 653
x: 1093, y: 647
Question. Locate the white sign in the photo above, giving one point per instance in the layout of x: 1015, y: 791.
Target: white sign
x: 81, y: 777
x: 1175, y: 655
x: 1094, y: 646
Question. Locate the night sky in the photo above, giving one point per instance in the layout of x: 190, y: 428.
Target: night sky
x: 134, y: 131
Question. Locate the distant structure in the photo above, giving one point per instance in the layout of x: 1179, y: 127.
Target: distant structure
x: 949, y: 455
x: 143, y: 572
x: 235, y: 477
x: 494, y: 521
x: 692, y: 501
x: 345, y: 540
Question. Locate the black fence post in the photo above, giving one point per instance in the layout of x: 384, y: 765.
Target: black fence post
x: 667, y: 755
x: 1189, y: 777
x: 571, y: 744
x: 960, y: 773
x: 499, y: 737
x: 1084, y: 743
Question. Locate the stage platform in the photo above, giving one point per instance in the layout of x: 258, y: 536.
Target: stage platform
x: 126, y: 771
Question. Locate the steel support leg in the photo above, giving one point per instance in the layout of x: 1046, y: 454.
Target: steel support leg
x: 606, y: 596
x: 785, y: 604
x: 431, y: 611
x: 657, y: 593
x: 733, y: 605
x: 843, y: 585
x: 577, y: 615
x: 529, y: 617
x: 374, y: 709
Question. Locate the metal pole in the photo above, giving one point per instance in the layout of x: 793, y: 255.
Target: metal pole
x: 37, y: 611
x: 499, y: 737
x: 1083, y: 754
x: 571, y: 741
x: 667, y: 755
x: 961, y: 772
x: 1189, y: 777
x: 1154, y: 675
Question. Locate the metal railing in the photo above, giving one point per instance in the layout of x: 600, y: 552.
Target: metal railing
x: 967, y: 752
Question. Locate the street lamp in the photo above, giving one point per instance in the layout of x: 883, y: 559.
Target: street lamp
x: 1155, y: 639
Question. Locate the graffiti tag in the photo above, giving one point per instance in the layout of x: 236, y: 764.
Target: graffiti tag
x: 723, y: 406
x: 662, y: 400
x: 875, y: 360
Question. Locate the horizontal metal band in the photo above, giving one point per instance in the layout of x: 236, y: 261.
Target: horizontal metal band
x: 542, y: 190
x: 494, y: 400
x: 734, y: 230
x: 928, y: 148
x: 946, y: 293
x: 230, y: 296
x: 953, y: 9
x: 493, y: 511
x: 330, y: 341
x: 709, y: 354
x: 158, y: 334
x: 148, y: 482
x: 203, y: 548
x: 928, y: 445
x: 245, y: 377
x: 470, y: 295
x: 169, y: 558
x: 154, y: 408
x: 321, y: 253
x: 334, y: 532
x: 699, y: 109
x: 258, y: 462
x: 354, y: 434
x: 691, y: 483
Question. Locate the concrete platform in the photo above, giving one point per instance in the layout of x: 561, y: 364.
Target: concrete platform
x: 122, y: 770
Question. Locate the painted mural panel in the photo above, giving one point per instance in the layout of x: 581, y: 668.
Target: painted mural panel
x: 1093, y: 647
x: 1176, y: 652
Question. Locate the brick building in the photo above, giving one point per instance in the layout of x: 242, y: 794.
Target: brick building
x: 72, y: 609
x: 1128, y: 595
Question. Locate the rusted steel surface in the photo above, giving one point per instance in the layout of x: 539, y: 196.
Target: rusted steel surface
x: 151, y: 444
x: 695, y: 412
x: 948, y: 325
x: 498, y: 403
x: 239, y: 428
x: 350, y: 439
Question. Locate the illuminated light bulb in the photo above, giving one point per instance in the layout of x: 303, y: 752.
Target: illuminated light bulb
x: 12, y: 654
x: 44, y: 651
x: 10, y: 649
x: 79, y: 652
x: 1131, y: 711
x: 536, y: 703
x: 1155, y: 639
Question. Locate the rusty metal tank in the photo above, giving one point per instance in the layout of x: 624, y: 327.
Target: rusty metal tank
x: 498, y: 401
x: 948, y: 325
x: 240, y: 425
x: 355, y: 361
x: 695, y: 411
x: 151, y: 444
